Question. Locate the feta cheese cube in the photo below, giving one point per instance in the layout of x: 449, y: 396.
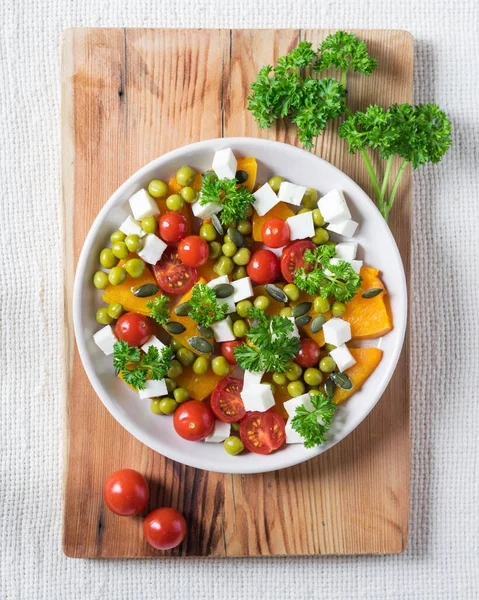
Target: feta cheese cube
x: 143, y: 205
x: 205, y: 211
x: 346, y: 228
x: 343, y: 357
x: 346, y: 250
x: 295, y: 332
x: 220, y: 432
x: 337, y: 332
x: 333, y: 207
x: 105, y: 340
x: 130, y: 227
x: 290, y: 405
x: 292, y: 436
x: 153, y: 389
x: 153, y: 341
x: 277, y: 251
x: 243, y: 289
x: 265, y: 199
x: 301, y: 226
x: 230, y: 303
x: 219, y: 280
x: 152, y: 249
x: 252, y: 378
x: 258, y: 397
x: 225, y: 164
x: 357, y: 264
x: 291, y: 193
x: 223, y: 330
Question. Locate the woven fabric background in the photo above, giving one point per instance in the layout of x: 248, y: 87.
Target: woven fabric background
x: 442, y: 558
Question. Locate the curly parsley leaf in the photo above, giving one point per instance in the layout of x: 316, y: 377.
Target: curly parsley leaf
x: 136, y: 368
x: 205, y: 308
x: 159, y: 309
x: 235, y: 199
x: 313, y: 426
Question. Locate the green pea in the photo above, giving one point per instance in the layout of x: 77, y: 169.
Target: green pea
x: 188, y: 194
x: 242, y: 257
x: 249, y: 212
x: 301, y: 211
x: 243, y: 307
x: 157, y: 188
x: 103, y: 317
x: 327, y: 364
x: 100, y: 280
x: 313, y: 376
x: 223, y: 266
x: 215, y: 249
x: 294, y: 371
x: 291, y: 291
x: 240, y: 328
x: 220, y: 365
x: 321, y: 236
x: 229, y: 249
x: 132, y: 242
x: 181, y: 394
x: 117, y: 276
x: 280, y: 378
x: 310, y: 198
x: 233, y: 445
x: 208, y: 232
x: 170, y: 385
x: 287, y: 311
x: 244, y: 227
x: 175, y: 344
x: 174, y: 202
x: 321, y: 305
x: 227, y: 239
x: 201, y: 365
x: 275, y: 182
x: 329, y: 347
x: 318, y: 218
x: 296, y: 388
x: 185, y: 356
x: 314, y: 392
x: 338, y: 309
x: 186, y: 175
x: 155, y: 406
x: 235, y: 426
x: 117, y: 236
x: 175, y: 369
x: 168, y: 406
x: 115, y: 310
x: 330, y: 243
x: 107, y: 258
x: 135, y: 267
x: 120, y: 250
x: 262, y: 302
x: 239, y: 272
x: 149, y: 225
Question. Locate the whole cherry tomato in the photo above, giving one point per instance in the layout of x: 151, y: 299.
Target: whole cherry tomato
x: 193, y: 420
x: 173, y: 226
x: 164, y: 528
x: 308, y: 354
x: 193, y: 251
x: 126, y: 492
x: 227, y: 350
x: 133, y: 328
x: 275, y: 233
x: 263, y: 267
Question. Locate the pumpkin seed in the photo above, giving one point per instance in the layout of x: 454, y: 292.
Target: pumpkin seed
x: 217, y: 224
x: 148, y: 289
x: 329, y: 388
x: 205, y: 332
x: 302, y: 320
x: 224, y: 290
x: 276, y: 293
x: 241, y: 176
x: 200, y: 345
x: 372, y: 292
x: 318, y: 323
x: 117, y: 371
x: 182, y: 310
x: 342, y: 380
x: 301, y: 309
x: 174, y: 327
x: 235, y: 236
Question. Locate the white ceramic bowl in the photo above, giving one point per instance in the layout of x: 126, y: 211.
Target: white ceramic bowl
x: 377, y: 248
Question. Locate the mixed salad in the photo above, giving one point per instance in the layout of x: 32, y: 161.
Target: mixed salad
x: 229, y: 306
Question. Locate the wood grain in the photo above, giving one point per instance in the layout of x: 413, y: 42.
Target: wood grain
x: 129, y: 95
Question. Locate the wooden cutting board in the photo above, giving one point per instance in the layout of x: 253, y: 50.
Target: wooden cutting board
x: 128, y: 96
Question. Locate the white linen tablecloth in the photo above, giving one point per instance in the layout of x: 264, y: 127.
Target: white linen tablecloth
x: 442, y: 558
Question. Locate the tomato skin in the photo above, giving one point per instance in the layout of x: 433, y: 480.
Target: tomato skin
x: 226, y: 400
x: 193, y: 420
x: 263, y: 267
x: 126, y: 492
x: 275, y: 233
x: 227, y: 350
x: 134, y: 329
x: 164, y: 528
x: 172, y: 275
x: 173, y: 226
x: 262, y: 432
x: 308, y: 354
x: 193, y: 251
x: 292, y: 258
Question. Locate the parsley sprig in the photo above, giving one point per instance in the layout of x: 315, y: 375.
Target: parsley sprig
x: 340, y: 281
x: 136, y: 368
x: 313, y: 426
x: 205, y: 308
x: 159, y: 309
x: 235, y: 199
x: 271, y: 345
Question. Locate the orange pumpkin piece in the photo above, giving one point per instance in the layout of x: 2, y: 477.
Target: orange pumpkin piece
x: 280, y: 396
x: 367, y: 359
x: 249, y: 165
x: 206, y: 270
x: 279, y: 211
x: 175, y: 187
x: 199, y: 386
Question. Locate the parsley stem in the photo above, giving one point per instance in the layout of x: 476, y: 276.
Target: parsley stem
x: 344, y: 74
x: 389, y: 204
x: 372, y: 174
x: 387, y: 174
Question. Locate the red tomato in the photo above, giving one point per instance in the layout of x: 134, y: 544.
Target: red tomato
x: 193, y: 420
x: 227, y: 350
x: 164, y: 528
x: 126, y: 492
x: 292, y: 258
x: 308, y: 354
x: 173, y: 226
x: 134, y: 329
x: 275, y: 233
x: 262, y: 432
x: 263, y: 267
x: 193, y: 251
x: 172, y: 275
x: 226, y: 401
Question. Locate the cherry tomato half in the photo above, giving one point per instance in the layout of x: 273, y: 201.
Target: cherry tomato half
x: 262, y: 432
x: 173, y: 226
x: 292, y: 258
x: 164, y: 528
x: 193, y: 420
x: 193, y: 251
x: 134, y: 329
x: 263, y: 267
x: 226, y: 400
x: 275, y: 233
x: 172, y: 275
x: 308, y: 354
x: 227, y: 350
x: 126, y: 492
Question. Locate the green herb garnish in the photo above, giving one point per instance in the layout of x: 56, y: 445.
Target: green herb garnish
x: 159, y: 309
x: 204, y: 307
x: 235, y: 199
x: 312, y: 426
x: 136, y: 368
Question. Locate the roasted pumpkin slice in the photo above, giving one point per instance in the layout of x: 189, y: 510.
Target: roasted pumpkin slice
x: 280, y: 395
x: 250, y: 166
x: 367, y: 359
x: 199, y: 386
x: 279, y: 211
x: 206, y: 270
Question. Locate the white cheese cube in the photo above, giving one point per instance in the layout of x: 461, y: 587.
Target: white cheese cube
x: 265, y: 199
x: 153, y: 389
x: 230, y: 303
x: 152, y: 249
x: 291, y: 193
x: 258, y: 397
x: 292, y: 436
x: 277, y: 251
x: 336, y: 332
x: 223, y: 330
x: 205, y: 211
x: 290, y: 405
x: 252, y: 378
x: 295, y: 332
x: 130, y: 227
x: 343, y: 357
x: 220, y: 432
x: 153, y: 341
x: 357, y: 264
x: 143, y: 205
x: 105, y: 340
x: 243, y: 289
x: 333, y: 207
x: 219, y: 280
x: 301, y: 226
x: 346, y: 250
x: 346, y: 228
x: 225, y: 163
